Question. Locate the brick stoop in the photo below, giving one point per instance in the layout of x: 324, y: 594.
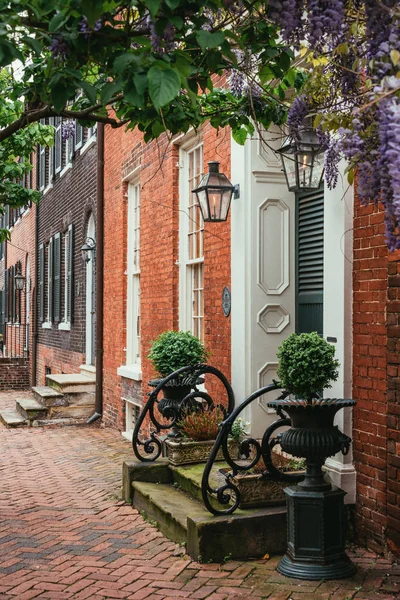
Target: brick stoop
x: 67, y: 400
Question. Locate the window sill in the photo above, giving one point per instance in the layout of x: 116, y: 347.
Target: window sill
x: 130, y: 372
x: 89, y: 143
x: 49, y: 187
x: 64, y: 326
x: 65, y: 169
x: 47, y: 325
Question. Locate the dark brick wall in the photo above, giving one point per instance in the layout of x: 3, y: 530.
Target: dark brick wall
x: 71, y: 200
x: 14, y: 374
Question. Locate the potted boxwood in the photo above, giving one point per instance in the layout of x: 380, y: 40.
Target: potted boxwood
x: 171, y: 351
x: 307, y: 366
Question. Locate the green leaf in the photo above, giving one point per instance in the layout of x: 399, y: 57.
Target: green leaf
x: 33, y: 43
x: 317, y: 120
x: 123, y: 61
x: 57, y: 21
x: 266, y: 74
x: 284, y: 61
x: 172, y: 4
x: 206, y: 39
x: 240, y: 135
x: 153, y: 6
x: 59, y: 94
x: 90, y: 91
x: 164, y: 85
x: 108, y: 91
x: 350, y: 176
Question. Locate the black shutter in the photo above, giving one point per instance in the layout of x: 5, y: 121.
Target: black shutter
x: 41, y: 283
x: 12, y: 287
x: 50, y: 291
x: 2, y: 313
x: 70, y: 275
x: 309, y: 261
x: 57, y: 277
x: 5, y: 301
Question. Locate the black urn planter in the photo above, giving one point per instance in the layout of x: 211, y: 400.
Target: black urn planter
x: 315, y: 518
x: 170, y: 406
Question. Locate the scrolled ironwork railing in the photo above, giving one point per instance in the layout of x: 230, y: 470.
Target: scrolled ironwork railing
x: 148, y: 447
x: 252, y: 450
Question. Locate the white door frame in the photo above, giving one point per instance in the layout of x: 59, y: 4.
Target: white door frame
x: 90, y: 233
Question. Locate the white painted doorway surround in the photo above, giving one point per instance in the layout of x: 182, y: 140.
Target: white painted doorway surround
x: 263, y: 285
x: 90, y: 296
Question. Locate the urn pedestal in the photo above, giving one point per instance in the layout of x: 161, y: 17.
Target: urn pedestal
x: 315, y: 518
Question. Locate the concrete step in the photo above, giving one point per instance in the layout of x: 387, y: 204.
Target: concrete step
x: 88, y: 371
x: 12, y: 418
x: 249, y: 533
x: 73, y: 383
x: 48, y: 396
x: 30, y: 409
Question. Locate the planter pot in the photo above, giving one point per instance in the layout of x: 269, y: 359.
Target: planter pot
x: 185, y: 452
x: 259, y: 491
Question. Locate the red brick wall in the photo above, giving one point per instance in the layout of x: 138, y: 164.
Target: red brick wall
x: 376, y: 334
x: 20, y: 246
x: 393, y: 403
x: 14, y: 374
x: 159, y: 182
x: 58, y: 360
x: 369, y: 373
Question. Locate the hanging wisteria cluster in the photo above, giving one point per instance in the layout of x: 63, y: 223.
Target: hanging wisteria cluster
x: 358, y: 44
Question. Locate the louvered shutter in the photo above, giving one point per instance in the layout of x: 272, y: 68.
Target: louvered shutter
x: 78, y: 135
x: 6, y: 311
x: 2, y: 313
x: 57, y: 278
x: 41, y: 283
x: 50, y: 293
x: 309, y: 261
x: 12, y: 287
x: 58, y: 146
x: 70, y: 275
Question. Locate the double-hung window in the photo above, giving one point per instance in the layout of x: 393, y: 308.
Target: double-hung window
x: 191, y: 244
x: 133, y: 273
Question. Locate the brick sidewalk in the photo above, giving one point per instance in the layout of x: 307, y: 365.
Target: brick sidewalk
x: 65, y: 533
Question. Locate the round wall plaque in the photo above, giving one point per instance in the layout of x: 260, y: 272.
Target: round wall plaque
x: 226, y: 301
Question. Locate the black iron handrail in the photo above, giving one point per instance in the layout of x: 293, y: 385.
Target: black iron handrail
x: 228, y: 493
x: 152, y: 445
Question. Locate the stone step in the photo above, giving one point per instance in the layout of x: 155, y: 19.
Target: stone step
x: 88, y: 371
x: 31, y: 409
x: 188, y: 478
x: 73, y: 383
x: 249, y: 533
x: 48, y: 396
x: 12, y: 418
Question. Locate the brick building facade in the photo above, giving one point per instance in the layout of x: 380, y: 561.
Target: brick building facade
x: 153, y: 181
x: 67, y: 181
x: 376, y: 380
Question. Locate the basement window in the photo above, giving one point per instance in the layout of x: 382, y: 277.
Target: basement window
x: 132, y: 412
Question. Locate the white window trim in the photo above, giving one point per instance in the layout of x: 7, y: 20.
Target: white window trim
x: 130, y: 372
x: 128, y: 433
x: 133, y: 274
x: 68, y: 165
x: 185, y: 291
x: 47, y: 325
x: 90, y: 140
x: 65, y: 325
x: 49, y: 288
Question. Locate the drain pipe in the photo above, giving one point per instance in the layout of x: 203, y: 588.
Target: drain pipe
x: 35, y: 332
x: 98, y: 407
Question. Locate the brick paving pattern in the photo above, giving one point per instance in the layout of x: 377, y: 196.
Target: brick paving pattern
x: 65, y: 533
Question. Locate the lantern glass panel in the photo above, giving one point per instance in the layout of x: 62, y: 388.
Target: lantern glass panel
x: 215, y: 196
x: 225, y: 203
x: 289, y: 168
x: 203, y: 203
x: 305, y: 168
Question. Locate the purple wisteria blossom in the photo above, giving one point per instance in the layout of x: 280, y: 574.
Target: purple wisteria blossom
x: 84, y: 27
x: 59, y: 48
x: 296, y: 115
x: 67, y: 129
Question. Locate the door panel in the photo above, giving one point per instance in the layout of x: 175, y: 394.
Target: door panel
x: 272, y: 263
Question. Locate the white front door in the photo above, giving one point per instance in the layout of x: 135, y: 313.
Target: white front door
x: 90, y: 297
x: 263, y: 274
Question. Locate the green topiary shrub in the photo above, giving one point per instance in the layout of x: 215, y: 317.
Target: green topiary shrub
x: 173, y: 350
x: 306, y: 365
